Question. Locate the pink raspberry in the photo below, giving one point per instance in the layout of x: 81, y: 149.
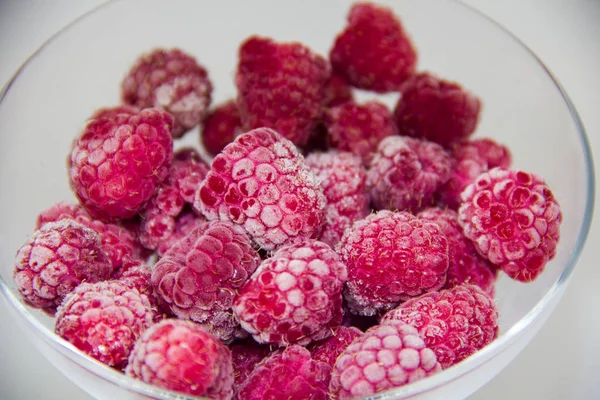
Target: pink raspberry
x: 344, y: 183
x: 198, y: 277
x: 385, y: 357
x: 289, y: 374
x: 181, y: 356
x: 373, y: 52
x: 454, y: 323
x: 281, y: 86
x: 57, y: 258
x: 337, y: 91
x: 294, y: 297
x: 104, y: 320
x: 116, y: 163
x: 245, y: 356
x: 392, y: 257
x: 466, y: 265
x: 359, y: 128
x: 514, y: 221
x: 328, y: 350
x: 495, y: 154
x: 260, y: 182
x: 406, y: 173
x: 173, y: 81
x: 437, y: 110
x: 220, y: 127
x: 112, y: 112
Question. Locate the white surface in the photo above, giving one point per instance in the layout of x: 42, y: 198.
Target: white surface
x: 563, y: 34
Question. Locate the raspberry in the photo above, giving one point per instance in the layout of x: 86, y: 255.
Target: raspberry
x: 495, y: 154
x: 437, y: 110
x: 260, y: 182
x: 181, y: 356
x: 294, y: 297
x: 337, y: 91
x: 329, y: 350
x: 112, y: 112
x: 57, y: 258
x: 514, y: 221
x: 392, y: 257
x: 406, y: 173
x: 344, y: 184
x: 466, y: 265
x: 171, y: 80
x: 221, y: 126
x: 385, y: 357
x: 136, y: 274
x: 281, y: 86
x: 245, y: 356
x: 116, y: 163
x: 104, y: 320
x: 199, y: 276
x: 373, y: 52
x: 454, y: 323
x: 288, y: 374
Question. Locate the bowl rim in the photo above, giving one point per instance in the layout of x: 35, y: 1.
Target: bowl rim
x: 494, y: 349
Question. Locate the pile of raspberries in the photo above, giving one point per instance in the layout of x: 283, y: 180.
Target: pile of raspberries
x: 331, y: 249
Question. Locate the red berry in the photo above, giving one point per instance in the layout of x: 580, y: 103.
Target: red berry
x: 112, y: 112
x: 437, y: 110
x: 260, y: 182
x: 245, y: 356
x: 221, y: 126
x: 514, y: 221
x: 117, y: 163
x: 181, y: 356
x: 373, y: 52
x: 294, y: 297
x: 337, y: 91
x: 136, y: 274
x: 173, y: 81
x: 328, y: 350
x: 392, y: 257
x: 495, y: 154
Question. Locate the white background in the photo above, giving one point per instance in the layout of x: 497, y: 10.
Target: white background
x: 562, y: 362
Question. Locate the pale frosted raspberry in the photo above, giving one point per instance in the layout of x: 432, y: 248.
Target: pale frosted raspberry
x: 245, y: 356
x: 328, y: 350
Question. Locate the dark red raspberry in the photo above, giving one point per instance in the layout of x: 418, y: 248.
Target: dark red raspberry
x: 454, y: 323
x: 337, y: 91
x: 359, y: 128
x: 112, y: 112
x: 104, y: 320
x: 199, y: 276
x: 392, y: 257
x: 373, y: 52
x: 328, y: 350
x: 385, y: 357
x: 245, y: 356
x: 171, y: 80
x: 289, y: 374
x: 117, y: 163
x: 406, y: 172
x: 260, y: 182
x: 57, y: 258
x: 344, y: 183
x: 281, y: 86
x: 181, y: 356
x: 294, y: 297
x: 514, y: 221
x: 221, y: 126
x: 437, y: 110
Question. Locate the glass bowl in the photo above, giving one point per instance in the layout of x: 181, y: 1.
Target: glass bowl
x: 79, y: 70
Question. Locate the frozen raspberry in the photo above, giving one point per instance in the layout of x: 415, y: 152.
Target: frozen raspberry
x: 329, y: 350
x: 199, y: 276
x: 406, y: 173
x: 437, y: 110
x: 514, y: 221
x: 171, y: 80
x: 281, y: 86
x: 104, y: 320
x: 344, y: 184
x: 112, y: 112
x: 136, y: 274
x: 289, y: 374
x: 385, y: 357
x: 359, y: 128
x: 294, y: 297
x: 181, y: 356
x: 245, y: 356
x: 495, y: 154
x: 454, y: 323
x: 116, y: 163
x: 466, y: 265
x: 260, y: 182
x: 373, y: 52
x: 57, y: 258
x: 337, y: 91
x: 221, y: 126
x: 392, y: 257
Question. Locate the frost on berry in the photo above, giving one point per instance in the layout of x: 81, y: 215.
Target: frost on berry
x: 328, y: 350
x: 245, y: 356
x: 514, y: 221
x: 454, y: 323
x: 261, y: 183
x: 385, y: 357
x: 220, y: 127
x: 392, y: 257
x: 57, y: 258
x: 294, y: 297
